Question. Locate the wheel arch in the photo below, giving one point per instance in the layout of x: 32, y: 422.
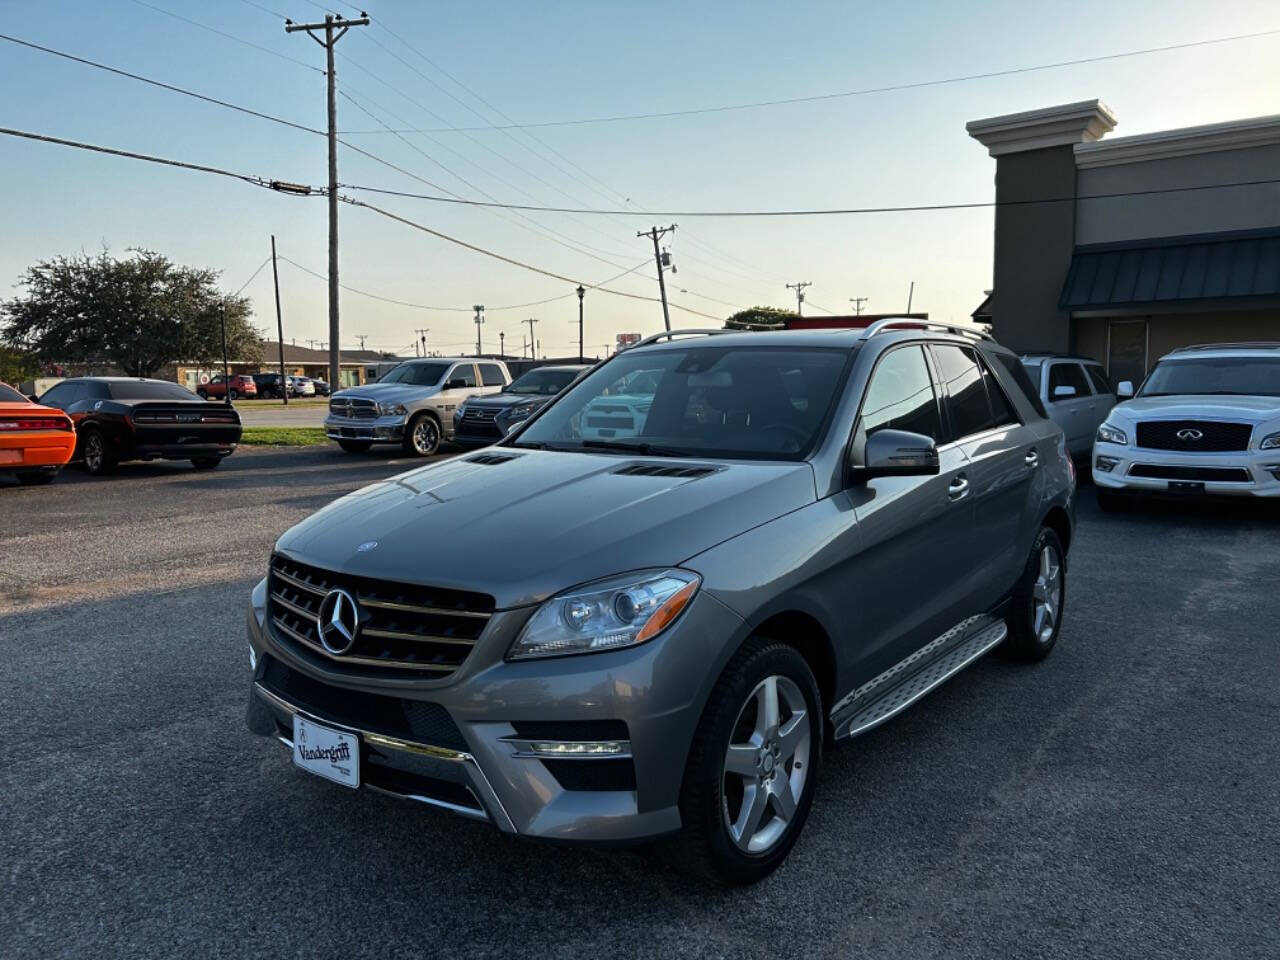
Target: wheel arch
x: 1059, y: 521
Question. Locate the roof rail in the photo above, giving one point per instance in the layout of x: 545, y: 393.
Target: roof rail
x: 672, y: 334
x: 963, y: 329
x: 1239, y: 345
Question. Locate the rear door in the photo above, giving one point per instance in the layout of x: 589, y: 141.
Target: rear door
x: 1070, y: 401
x: 1003, y: 467
x: 492, y: 379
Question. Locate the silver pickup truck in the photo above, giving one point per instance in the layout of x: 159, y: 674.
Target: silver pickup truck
x: 412, y: 404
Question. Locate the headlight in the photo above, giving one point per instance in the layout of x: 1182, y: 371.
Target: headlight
x: 1109, y: 434
x: 395, y: 410
x: 522, y: 412
x: 1270, y: 442
x: 619, y: 612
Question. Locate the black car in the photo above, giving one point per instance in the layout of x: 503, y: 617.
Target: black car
x: 127, y: 418
x: 322, y: 388
x: 482, y: 420
x: 268, y: 386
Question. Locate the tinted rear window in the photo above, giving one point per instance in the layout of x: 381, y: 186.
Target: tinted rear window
x: 149, y: 390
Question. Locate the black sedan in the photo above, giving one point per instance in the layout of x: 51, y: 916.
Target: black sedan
x: 480, y: 421
x: 127, y: 418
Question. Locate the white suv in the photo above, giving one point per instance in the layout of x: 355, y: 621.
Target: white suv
x: 1206, y: 421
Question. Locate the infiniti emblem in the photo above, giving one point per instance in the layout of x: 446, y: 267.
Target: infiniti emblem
x: 1189, y: 434
x: 338, y: 621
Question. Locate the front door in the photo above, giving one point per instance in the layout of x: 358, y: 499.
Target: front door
x: 1070, y: 404
x: 1127, y: 351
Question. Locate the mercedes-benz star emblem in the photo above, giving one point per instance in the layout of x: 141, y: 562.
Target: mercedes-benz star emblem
x: 1189, y: 434
x: 338, y: 621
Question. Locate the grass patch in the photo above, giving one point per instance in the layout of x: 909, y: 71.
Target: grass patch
x: 283, y: 436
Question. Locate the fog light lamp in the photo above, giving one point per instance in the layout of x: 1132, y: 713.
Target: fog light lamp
x: 1106, y: 464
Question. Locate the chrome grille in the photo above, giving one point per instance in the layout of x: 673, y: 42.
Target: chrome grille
x: 479, y: 414
x: 403, y: 627
x: 356, y: 408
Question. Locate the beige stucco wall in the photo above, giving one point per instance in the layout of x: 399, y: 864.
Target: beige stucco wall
x: 1166, y: 332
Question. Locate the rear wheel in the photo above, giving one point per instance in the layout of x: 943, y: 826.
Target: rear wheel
x: 206, y: 463
x: 235, y: 395
x: 98, y: 460
x: 1035, y: 613
x: 355, y: 446
x: 33, y: 478
x: 422, y: 435
x: 750, y: 776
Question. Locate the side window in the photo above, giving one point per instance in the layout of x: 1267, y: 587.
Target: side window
x: 1099, y: 379
x: 1002, y: 410
x: 1068, y: 375
x: 56, y: 396
x: 464, y: 372
x: 966, y: 395
x: 491, y: 375
x: 900, y: 395
x: 97, y: 391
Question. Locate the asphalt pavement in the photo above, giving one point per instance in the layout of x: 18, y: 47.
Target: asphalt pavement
x: 302, y: 412
x: 1121, y: 799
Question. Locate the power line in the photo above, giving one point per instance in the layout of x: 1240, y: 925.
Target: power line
x: 253, y: 276
x: 865, y: 91
x: 229, y: 36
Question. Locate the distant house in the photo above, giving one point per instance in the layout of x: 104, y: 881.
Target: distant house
x: 356, y: 366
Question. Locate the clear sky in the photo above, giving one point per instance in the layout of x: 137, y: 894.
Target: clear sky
x: 566, y: 59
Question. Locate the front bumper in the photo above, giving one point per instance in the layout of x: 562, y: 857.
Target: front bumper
x: 1251, y: 473
x: 377, y: 430
x: 478, y: 762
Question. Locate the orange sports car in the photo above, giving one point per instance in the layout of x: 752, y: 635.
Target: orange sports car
x: 35, y: 441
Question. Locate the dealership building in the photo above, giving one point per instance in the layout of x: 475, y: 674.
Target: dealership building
x: 1123, y: 248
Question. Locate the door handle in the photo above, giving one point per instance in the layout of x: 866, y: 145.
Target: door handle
x: 1032, y: 459
x: 959, y: 488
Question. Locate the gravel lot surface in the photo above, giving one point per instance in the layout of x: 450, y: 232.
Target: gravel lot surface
x: 1122, y: 799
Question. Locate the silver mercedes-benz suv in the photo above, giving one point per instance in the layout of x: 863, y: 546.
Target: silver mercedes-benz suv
x: 636, y: 636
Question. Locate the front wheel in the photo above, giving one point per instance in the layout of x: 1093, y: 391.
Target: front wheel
x: 749, y: 780
x: 1035, y: 612
x: 422, y: 435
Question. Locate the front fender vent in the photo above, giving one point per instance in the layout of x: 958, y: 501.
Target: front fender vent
x: 491, y: 459
x: 662, y: 470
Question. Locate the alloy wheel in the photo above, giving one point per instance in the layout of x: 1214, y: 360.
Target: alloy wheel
x: 1046, y: 594
x: 425, y: 436
x: 766, y: 765
x: 93, y: 452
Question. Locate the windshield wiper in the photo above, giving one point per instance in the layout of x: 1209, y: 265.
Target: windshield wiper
x: 527, y: 444
x: 646, y: 449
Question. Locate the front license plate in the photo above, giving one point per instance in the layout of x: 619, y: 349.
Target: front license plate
x: 326, y: 752
x: 1186, y: 486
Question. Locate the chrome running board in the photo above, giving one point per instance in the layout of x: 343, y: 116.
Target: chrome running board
x: 938, y: 672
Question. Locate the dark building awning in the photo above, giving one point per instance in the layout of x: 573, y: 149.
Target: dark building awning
x: 1203, y: 267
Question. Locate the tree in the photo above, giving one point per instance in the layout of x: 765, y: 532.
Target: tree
x: 17, y: 366
x: 759, y: 318
x: 137, y: 313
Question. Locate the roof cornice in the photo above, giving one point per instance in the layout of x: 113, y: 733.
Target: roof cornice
x: 1184, y: 142
x: 1063, y: 125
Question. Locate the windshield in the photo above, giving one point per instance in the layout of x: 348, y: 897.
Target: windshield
x: 9, y: 395
x: 149, y: 390
x: 543, y: 383
x: 416, y: 374
x: 750, y: 403
x: 1242, y: 376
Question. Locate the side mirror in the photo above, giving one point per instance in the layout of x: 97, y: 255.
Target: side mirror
x: 897, y: 453
x: 1124, y: 390
x: 1062, y: 393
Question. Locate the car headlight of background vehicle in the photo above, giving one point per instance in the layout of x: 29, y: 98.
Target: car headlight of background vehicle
x: 1109, y: 434
x: 521, y: 412
x: 395, y: 410
x: 1270, y: 442
x: 621, y: 611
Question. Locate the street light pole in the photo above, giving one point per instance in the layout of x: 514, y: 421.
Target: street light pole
x: 226, y: 364
x: 581, y: 293
x: 479, y: 309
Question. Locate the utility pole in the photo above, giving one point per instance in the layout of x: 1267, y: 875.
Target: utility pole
x: 581, y: 293
x: 226, y: 366
x: 362, y: 337
x: 334, y: 27
x: 656, y: 234
x: 533, y: 346
x: 798, y: 287
x: 502, y: 343
x: 421, y: 337
x: 479, y: 309
x: 857, y: 304
x: 275, y: 273
x: 910, y: 294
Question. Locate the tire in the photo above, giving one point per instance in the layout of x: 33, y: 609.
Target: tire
x: 206, y: 463
x: 1109, y: 501
x: 355, y: 446
x: 1035, y: 612
x: 98, y: 460
x: 716, y: 803
x: 202, y: 394
x: 235, y: 394
x: 422, y: 436
x: 35, y: 478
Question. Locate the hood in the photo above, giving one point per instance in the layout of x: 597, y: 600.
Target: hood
x: 542, y: 521
x: 503, y: 400
x: 1199, y: 407
x: 389, y: 392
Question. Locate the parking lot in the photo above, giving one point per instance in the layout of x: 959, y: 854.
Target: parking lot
x: 1119, y: 799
